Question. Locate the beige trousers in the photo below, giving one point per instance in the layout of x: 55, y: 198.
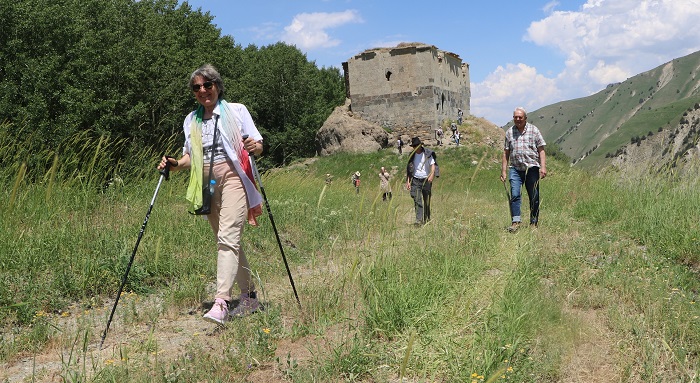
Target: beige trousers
x: 229, y: 212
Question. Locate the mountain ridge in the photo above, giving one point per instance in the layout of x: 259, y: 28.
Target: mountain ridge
x: 596, y: 131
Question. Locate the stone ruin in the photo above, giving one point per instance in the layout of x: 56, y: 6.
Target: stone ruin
x: 405, y: 91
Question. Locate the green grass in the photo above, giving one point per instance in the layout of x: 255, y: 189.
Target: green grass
x: 457, y: 300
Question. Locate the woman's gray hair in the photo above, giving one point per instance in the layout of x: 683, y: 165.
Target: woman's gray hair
x: 520, y: 108
x: 210, y: 74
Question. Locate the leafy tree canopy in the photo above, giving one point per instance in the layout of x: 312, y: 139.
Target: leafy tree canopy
x: 120, y: 68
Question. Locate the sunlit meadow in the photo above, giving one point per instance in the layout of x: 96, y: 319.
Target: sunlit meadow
x: 607, y: 282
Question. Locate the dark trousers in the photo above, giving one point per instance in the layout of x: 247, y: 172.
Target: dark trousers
x: 421, y: 193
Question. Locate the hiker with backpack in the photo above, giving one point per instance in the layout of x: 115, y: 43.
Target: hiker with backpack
x: 523, y: 162
x: 384, y: 183
x: 356, y: 182
x: 420, y: 171
x: 439, y: 134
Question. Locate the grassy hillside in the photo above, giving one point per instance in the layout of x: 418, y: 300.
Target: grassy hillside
x: 604, y: 290
x: 588, y: 128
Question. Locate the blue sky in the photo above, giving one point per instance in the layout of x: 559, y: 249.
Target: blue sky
x: 521, y: 53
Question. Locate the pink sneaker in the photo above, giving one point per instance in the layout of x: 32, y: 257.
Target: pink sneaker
x: 247, y: 304
x: 218, y: 313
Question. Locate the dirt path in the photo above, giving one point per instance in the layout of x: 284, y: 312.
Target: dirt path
x: 173, y: 334
x: 593, y: 357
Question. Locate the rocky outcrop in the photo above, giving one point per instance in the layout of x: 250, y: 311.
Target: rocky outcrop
x: 342, y: 132
x: 345, y: 132
x: 669, y: 151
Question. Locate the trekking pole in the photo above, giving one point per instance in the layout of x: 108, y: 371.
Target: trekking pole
x: 272, y: 221
x: 164, y: 174
x: 535, y: 192
x: 510, y: 211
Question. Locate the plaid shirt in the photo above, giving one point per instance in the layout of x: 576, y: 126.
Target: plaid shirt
x: 523, y: 146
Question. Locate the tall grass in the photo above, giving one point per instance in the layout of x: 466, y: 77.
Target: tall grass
x: 459, y: 299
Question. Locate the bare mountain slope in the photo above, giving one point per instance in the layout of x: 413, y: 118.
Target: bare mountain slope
x: 595, y: 129
x: 671, y: 151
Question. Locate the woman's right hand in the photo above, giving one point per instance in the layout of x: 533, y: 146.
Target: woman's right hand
x: 173, y: 162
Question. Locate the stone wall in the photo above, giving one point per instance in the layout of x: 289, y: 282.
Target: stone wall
x: 409, y: 89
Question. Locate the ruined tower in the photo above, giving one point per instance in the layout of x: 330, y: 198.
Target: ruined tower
x: 408, y: 88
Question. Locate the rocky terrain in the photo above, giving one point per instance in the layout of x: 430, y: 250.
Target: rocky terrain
x: 344, y: 132
x: 674, y: 151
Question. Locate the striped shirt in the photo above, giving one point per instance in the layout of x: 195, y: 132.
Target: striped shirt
x: 523, y: 146
x: 208, y: 138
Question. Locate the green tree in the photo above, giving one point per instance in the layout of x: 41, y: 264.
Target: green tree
x: 120, y: 69
x: 291, y: 98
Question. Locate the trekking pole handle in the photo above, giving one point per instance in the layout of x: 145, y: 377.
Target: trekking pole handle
x: 256, y: 175
x: 165, y: 172
x: 245, y: 137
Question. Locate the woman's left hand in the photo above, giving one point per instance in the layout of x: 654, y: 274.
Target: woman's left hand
x: 252, y: 146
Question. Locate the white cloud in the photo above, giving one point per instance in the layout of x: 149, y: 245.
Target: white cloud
x: 609, y: 40
x: 509, y: 87
x: 265, y: 31
x: 607, y: 74
x: 605, y: 41
x: 549, y: 7
x: 308, y: 30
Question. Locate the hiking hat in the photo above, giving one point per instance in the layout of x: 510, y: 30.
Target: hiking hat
x: 357, y: 174
x: 415, y: 141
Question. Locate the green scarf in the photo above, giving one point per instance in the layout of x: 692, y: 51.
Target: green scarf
x: 194, y: 190
x: 229, y: 131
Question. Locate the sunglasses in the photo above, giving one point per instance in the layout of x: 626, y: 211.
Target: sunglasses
x: 207, y: 85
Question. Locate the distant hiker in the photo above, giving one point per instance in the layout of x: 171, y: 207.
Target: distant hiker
x: 524, y: 150
x: 453, y: 127
x: 215, y: 151
x: 384, y: 184
x: 457, y: 136
x: 439, y: 133
x: 460, y: 114
x: 329, y: 178
x: 420, y: 171
x: 399, y: 145
x: 356, y: 182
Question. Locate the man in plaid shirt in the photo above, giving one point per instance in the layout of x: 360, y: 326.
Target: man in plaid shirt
x: 524, y: 150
